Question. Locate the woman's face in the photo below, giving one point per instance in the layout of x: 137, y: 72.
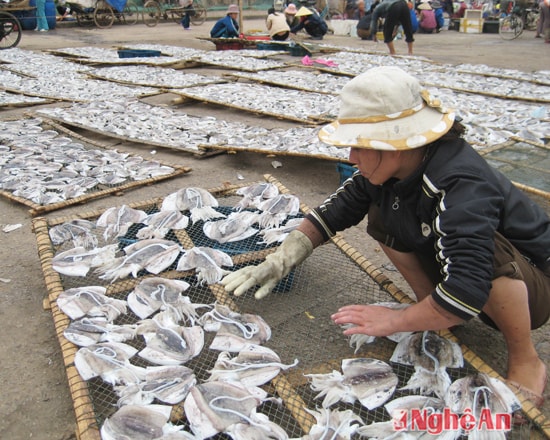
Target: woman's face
x: 377, y: 166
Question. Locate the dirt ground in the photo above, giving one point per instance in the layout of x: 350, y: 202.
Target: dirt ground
x: 35, y: 397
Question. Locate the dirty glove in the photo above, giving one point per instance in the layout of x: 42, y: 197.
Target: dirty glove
x: 294, y: 249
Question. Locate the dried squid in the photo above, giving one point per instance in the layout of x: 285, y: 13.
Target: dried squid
x: 370, y: 381
x: 430, y: 354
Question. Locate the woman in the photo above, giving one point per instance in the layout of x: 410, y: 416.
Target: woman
x: 276, y: 25
x: 426, y: 19
x: 290, y: 15
x: 466, y: 240
x: 311, y: 22
x: 227, y: 27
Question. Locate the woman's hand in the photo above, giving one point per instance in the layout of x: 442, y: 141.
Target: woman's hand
x: 368, y: 319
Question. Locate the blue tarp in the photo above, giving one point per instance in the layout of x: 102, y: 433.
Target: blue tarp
x: 117, y: 4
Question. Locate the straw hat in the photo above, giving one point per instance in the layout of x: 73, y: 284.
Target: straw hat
x: 386, y: 109
x: 291, y: 9
x: 233, y: 9
x: 303, y: 11
x: 424, y: 6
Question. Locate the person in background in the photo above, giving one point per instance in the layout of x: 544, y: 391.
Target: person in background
x: 276, y: 24
x: 439, y: 19
x: 187, y: 6
x: 363, y: 26
x: 41, y: 21
x: 467, y: 241
x: 359, y: 11
x: 426, y: 19
x: 395, y: 13
x: 63, y: 11
x: 414, y: 18
x: 459, y: 13
x: 290, y: 15
x: 228, y: 26
x: 543, y: 25
x: 311, y: 22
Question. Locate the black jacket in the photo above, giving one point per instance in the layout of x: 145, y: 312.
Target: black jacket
x: 448, y: 210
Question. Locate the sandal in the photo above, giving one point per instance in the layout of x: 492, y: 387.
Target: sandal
x: 536, y: 399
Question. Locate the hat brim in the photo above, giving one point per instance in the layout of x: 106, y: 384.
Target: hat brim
x: 407, y: 133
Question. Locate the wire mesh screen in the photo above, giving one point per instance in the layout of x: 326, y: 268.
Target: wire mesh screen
x: 297, y: 311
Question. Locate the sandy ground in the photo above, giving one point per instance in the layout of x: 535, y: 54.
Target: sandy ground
x: 35, y: 398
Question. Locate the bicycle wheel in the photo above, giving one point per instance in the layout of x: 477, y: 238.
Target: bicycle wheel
x: 10, y: 30
x: 199, y: 16
x: 510, y: 27
x: 131, y: 13
x: 85, y: 19
x: 104, y: 16
x: 151, y: 13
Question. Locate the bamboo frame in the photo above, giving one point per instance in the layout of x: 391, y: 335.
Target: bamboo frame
x: 284, y: 384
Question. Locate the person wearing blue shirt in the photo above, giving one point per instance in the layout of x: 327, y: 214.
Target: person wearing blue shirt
x: 439, y: 19
x: 227, y: 27
x: 311, y: 22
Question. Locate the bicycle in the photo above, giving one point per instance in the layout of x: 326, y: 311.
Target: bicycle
x: 10, y: 30
x: 519, y: 18
x: 105, y: 14
x: 197, y: 12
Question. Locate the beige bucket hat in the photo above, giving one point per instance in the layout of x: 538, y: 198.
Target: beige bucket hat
x: 386, y: 109
x: 424, y: 6
x: 303, y: 11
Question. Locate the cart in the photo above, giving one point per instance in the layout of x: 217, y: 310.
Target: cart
x: 103, y: 13
x: 10, y: 26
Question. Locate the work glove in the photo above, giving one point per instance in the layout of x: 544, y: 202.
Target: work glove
x: 294, y: 249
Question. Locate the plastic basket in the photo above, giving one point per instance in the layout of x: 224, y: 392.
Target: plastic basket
x: 229, y: 46
x: 270, y: 46
x: 298, y: 51
x: 135, y: 53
